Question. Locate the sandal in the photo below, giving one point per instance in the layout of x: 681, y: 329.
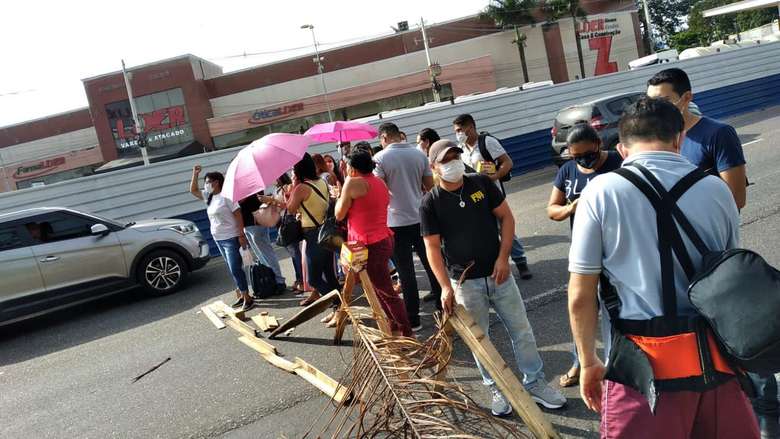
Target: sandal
x: 568, y: 379
x: 328, y: 317
x: 311, y: 299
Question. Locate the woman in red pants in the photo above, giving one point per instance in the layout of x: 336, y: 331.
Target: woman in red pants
x: 364, y: 199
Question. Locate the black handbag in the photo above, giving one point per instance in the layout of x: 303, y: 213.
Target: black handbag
x: 290, y: 230
x: 331, y: 234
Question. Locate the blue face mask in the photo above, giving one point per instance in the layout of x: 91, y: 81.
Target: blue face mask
x: 589, y: 160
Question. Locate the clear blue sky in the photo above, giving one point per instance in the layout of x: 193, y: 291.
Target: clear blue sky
x: 49, y: 46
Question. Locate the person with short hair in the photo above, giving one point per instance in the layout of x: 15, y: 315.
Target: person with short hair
x: 710, y: 144
x: 468, y: 139
x: 406, y: 172
x: 425, y: 139
x: 651, y: 363
x: 364, y: 201
x: 588, y: 161
x: 227, y: 227
x: 460, y: 218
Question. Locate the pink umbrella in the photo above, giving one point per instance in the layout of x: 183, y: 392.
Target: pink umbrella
x: 341, y: 131
x: 258, y: 165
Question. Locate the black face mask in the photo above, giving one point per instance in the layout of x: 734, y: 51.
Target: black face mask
x: 589, y: 160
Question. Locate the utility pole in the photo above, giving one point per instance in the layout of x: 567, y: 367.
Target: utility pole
x: 649, y: 24
x: 139, y: 129
x: 6, y: 186
x: 520, y: 41
x: 577, y: 37
x: 431, y: 70
x: 320, y: 69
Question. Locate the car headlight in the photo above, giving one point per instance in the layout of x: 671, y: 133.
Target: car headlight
x: 181, y: 228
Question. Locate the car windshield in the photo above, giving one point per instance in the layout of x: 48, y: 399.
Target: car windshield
x: 105, y: 220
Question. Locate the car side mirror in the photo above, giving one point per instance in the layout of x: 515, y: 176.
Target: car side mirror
x: 99, y: 229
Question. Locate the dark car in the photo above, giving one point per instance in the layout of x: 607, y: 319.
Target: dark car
x: 602, y: 114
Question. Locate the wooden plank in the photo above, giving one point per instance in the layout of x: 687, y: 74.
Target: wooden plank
x: 261, y: 322
x: 306, y: 314
x: 221, y: 306
x: 318, y: 379
x: 242, y: 327
x: 505, y: 379
x: 379, y: 314
x: 212, y: 317
x: 257, y: 344
x: 273, y: 323
x: 346, y: 299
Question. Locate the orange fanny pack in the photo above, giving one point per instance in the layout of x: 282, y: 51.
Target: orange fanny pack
x: 678, y: 356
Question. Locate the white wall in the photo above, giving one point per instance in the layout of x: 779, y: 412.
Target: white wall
x: 49, y: 146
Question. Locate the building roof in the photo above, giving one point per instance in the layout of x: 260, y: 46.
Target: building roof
x: 187, y: 56
x: 745, y: 5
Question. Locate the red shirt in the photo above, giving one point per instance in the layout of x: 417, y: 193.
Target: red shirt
x: 368, y: 214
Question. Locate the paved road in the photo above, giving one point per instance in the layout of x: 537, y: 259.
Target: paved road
x: 70, y: 374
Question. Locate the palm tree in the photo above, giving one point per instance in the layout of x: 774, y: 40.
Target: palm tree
x: 554, y: 10
x: 513, y: 13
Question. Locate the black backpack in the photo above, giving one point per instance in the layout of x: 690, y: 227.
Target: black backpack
x: 262, y: 280
x: 736, y: 290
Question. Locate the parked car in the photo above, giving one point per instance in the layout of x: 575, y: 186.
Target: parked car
x: 603, y: 114
x: 52, y: 258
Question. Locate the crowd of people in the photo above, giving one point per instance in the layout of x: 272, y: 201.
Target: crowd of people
x: 445, y: 201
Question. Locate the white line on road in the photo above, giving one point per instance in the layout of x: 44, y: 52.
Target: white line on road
x: 752, y: 142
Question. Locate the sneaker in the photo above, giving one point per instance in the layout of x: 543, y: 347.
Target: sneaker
x: 248, y: 305
x: 280, y: 289
x: 544, y: 394
x: 238, y: 303
x: 500, y: 407
x: 523, y: 270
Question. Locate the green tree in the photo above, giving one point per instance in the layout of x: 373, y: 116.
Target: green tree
x: 712, y: 29
x: 511, y: 14
x: 555, y: 10
x: 667, y: 17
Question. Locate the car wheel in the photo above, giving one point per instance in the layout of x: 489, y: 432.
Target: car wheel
x: 162, y: 272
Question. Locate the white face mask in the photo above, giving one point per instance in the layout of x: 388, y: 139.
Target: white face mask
x: 452, y: 171
x: 207, y: 187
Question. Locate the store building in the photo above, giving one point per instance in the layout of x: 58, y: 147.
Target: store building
x: 188, y: 105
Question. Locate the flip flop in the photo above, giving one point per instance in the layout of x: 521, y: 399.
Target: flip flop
x: 567, y: 380
x: 311, y: 299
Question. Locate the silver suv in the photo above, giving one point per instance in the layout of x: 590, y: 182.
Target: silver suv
x: 52, y: 258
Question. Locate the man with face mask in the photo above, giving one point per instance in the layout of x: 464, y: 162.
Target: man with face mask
x: 405, y: 171
x: 495, y: 167
x: 463, y: 214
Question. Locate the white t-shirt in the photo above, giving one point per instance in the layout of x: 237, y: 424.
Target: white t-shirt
x: 472, y: 156
x: 223, y: 221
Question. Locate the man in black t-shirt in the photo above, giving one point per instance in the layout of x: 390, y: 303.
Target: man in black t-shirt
x: 459, y: 215
x: 260, y: 240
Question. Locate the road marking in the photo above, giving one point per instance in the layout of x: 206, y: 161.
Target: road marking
x: 752, y: 142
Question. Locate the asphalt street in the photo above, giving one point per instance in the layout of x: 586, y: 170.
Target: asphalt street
x: 70, y: 374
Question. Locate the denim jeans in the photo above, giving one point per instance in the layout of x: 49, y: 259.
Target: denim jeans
x: 230, y: 249
x: 297, y: 259
x: 517, y: 253
x: 319, y: 263
x: 765, y: 403
x: 408, y: 239
x: 260, y: 241
x: 477, y: 295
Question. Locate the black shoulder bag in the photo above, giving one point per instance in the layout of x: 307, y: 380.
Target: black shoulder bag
x: 331, y: 233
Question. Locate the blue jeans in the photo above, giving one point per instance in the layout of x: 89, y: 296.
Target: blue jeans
x: 297, y: 259
x: 319, y: 263
x: 477, y: 295
x: 230, y: 251
x: 518, y: 253
x: 260, y: 242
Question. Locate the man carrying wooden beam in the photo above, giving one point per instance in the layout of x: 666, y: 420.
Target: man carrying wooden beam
x: 463, y: 213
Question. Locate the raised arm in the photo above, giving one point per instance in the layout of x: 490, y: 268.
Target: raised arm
x: 194, y: 183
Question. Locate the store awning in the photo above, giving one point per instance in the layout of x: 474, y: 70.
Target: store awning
x: 155, y: 155
x: 746, y: 5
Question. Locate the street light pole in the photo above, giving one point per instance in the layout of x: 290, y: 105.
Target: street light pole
x: 318, y: 60
x: 434, y: 83
x: 138, y: 128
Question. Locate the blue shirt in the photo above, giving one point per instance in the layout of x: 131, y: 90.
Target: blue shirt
x: 713, y: 146
x: 615, y: 231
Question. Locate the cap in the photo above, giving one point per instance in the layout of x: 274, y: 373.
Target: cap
x: 439, y: 149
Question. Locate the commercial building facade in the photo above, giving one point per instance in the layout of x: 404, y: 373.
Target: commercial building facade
x: 188, y: 105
